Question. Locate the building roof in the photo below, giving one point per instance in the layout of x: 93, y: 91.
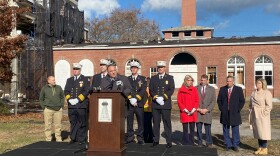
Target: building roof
x: 187, y: 28
x: 215, y: 41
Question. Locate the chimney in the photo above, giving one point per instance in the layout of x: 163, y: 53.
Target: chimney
x: 188, y: 13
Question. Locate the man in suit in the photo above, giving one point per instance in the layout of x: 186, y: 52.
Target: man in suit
x: 96, y: 80
x: 115, y: 81
x: 231, y: 101
x: 161, y: 89
x: 136, y: 103
x: 76, y: 94
x: 207, y: 100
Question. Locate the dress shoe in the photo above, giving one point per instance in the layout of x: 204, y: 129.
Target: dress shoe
x: 155, y: 144
x: 71, y: 142
x: 128, y: 142
x: 82, y: 142
x: 168, y: 145
x: 236, y: 149
x: 141, y: 143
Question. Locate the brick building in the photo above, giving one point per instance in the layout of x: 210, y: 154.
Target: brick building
x: 188, y: 49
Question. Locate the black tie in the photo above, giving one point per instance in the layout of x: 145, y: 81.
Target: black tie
x: 103, y: 75
x: 75, y: 78
x: 160, y: 77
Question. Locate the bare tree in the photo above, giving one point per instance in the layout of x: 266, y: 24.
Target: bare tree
x: 10, y: 46
x: 123, y: 26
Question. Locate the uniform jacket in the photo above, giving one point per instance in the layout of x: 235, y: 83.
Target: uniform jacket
x: 96, y: 80
x: 207, y: 103
x: 77, y: 89
x: 162, y: 87
x: 188, y: 99
x: 261, y: 105
x: 108, y: 84
x: 138, y: 90
x: 232, y: 116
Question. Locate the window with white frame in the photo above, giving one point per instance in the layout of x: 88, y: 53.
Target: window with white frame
x: 153, y: 71
x: 127, y: 67
x: 236, y: 68
x: 211, y: 72
x: 264, y: 69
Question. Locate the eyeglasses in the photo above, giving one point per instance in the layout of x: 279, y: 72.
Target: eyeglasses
x: 76, y: 68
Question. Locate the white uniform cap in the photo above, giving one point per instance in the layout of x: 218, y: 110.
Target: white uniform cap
x: 77, y: 65
x: 104, y: 61
x: 134, y: 64
x: 161, y: 63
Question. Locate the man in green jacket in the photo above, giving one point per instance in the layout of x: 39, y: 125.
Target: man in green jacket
x: 52, y: 101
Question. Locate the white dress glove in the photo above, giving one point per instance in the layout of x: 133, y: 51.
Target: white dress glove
x: 75, y: 101
x: 71, y: 101
x: 133, y: 101
x: 160, y: 100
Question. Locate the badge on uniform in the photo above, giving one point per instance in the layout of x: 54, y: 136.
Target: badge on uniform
x: 166, y: 82
x: 140, y: 83
x: 81, y: 83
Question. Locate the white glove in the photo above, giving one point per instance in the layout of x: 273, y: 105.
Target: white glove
x: 75, y: 101
x: 133, y: 101
x: 159, y: 100
x: 71, y: 101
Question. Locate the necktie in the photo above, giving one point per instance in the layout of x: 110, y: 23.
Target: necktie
x: 160, y: 77
x: 203, y: 93
x: 133, y: 78
x: 75, y: 78
x: 103, y: 75
x: 229, y: 92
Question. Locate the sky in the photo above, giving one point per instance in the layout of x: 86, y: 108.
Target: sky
x: 239, y: 18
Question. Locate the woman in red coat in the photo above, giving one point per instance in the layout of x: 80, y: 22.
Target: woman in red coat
x: 188, y: 101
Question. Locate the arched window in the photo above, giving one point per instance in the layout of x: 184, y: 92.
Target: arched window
x: 236, y: 68
x: 62, y: 72
x: 87, y: 69
x: 264, y: 69
x: 127, y: 67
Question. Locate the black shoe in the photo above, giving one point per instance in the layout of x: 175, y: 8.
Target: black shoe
x: 128, y: 142
x: 236, y: 149
x: 82, y: 142
x: 168, y: 145
x: 155, y: 144
x: 141, y: 143
x: 71, y: 142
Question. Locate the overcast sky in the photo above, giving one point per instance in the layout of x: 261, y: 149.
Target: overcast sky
x: 227, y: 17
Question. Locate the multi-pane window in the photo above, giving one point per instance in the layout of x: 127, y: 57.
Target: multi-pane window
x: 264, y: 69
x: 127, y: 67
x: 175, y: 34
x: 212, y: 75
x: 236, y: 68
x: 153, y: 71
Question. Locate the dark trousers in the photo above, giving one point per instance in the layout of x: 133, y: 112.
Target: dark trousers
x: 78, y: 124
x: 208, y: 137
x: 165, y: 115
x: 148, y: 127
x: 262, y: 143
x: 139, y: 112
x: 188, y: 133
x: 235, y: 136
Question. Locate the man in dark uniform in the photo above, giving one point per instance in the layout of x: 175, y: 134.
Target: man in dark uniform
x: 96, y: 81
x: 161, y: 89
x: 115, y: 81
x: 76, y: 94
x: 135, y: 104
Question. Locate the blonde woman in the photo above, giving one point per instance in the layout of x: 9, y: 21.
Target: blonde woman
x: 260, y: 107
x: 188, y: 101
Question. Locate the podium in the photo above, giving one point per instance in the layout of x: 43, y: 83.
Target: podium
x: 106, y: 124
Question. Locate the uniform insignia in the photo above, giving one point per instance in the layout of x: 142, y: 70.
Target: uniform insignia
x: 81, y: 83
x: 166, y: 82
x: 140, y: 83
